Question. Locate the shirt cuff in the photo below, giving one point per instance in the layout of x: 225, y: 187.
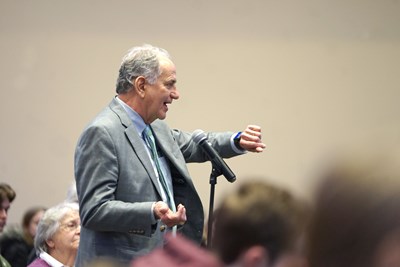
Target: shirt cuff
x: 236, y: 148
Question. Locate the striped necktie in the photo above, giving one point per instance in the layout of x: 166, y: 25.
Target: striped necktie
x: 150, y: 141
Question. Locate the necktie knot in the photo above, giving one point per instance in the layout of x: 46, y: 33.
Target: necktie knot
x: 149, y: 138
x: 147, y: 132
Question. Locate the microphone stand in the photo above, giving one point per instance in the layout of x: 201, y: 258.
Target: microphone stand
x: 213, y: 181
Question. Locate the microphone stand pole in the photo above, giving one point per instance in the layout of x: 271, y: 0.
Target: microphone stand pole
x: 213, y: 181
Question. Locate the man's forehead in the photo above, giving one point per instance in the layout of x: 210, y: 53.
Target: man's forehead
x: 168, y: 72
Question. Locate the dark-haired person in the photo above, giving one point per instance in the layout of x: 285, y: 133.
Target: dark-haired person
x: 356, y: 222
x: 261, y: 224
x: 7, y: 195
x: 17, y: 240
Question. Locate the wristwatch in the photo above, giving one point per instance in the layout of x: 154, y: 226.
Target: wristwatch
x: 236, y: 140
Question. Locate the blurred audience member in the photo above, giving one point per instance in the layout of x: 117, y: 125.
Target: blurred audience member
x: 17, y: 242
x: 357, y: 214
x: 57, y: 237
x: 260, y: 225
x: 7, y: 195
x: 178, y: 252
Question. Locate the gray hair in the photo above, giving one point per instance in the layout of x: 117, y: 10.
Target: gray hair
x: 140, y: 61
x: 50, y: 223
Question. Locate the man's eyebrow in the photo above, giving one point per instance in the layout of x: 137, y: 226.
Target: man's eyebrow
x: 171, y: 81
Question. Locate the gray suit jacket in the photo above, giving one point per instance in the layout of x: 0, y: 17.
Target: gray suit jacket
x: 117, y: 186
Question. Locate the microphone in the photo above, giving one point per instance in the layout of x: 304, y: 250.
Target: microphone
x: 201, y: 139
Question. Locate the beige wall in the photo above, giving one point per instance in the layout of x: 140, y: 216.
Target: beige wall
x: 316, y: 75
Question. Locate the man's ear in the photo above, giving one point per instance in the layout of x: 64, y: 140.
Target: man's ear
x: 139, y: 86
x: 256, y: 256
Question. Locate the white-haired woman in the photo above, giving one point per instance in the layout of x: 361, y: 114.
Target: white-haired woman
x: 57, y: 237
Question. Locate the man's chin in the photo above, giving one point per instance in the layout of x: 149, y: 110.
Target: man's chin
x: 162, y: 116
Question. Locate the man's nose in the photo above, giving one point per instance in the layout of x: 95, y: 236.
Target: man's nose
x: 175, y: 94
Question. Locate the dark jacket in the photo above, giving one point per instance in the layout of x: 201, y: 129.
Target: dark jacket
x: 14, y: 248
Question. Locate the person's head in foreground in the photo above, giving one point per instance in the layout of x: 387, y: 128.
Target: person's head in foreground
x: 260, y: 225
x: 357, y: 214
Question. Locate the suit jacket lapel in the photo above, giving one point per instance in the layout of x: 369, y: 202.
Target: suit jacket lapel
x: 171, y: 151
x: 136, y: 142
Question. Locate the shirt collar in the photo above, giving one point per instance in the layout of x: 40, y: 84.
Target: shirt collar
x: 50, y: 260
x: 134, y: 116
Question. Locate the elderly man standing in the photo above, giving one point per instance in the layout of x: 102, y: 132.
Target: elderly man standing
x: 132, y: 180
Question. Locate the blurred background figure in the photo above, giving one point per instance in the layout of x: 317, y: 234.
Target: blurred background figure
x: 57, y: 238
x: 357, y: 213
x: 260, y: 225
x: 72, y: 195
x: 7, y: 195
x: 17, y: 240
x: 178, y: 252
